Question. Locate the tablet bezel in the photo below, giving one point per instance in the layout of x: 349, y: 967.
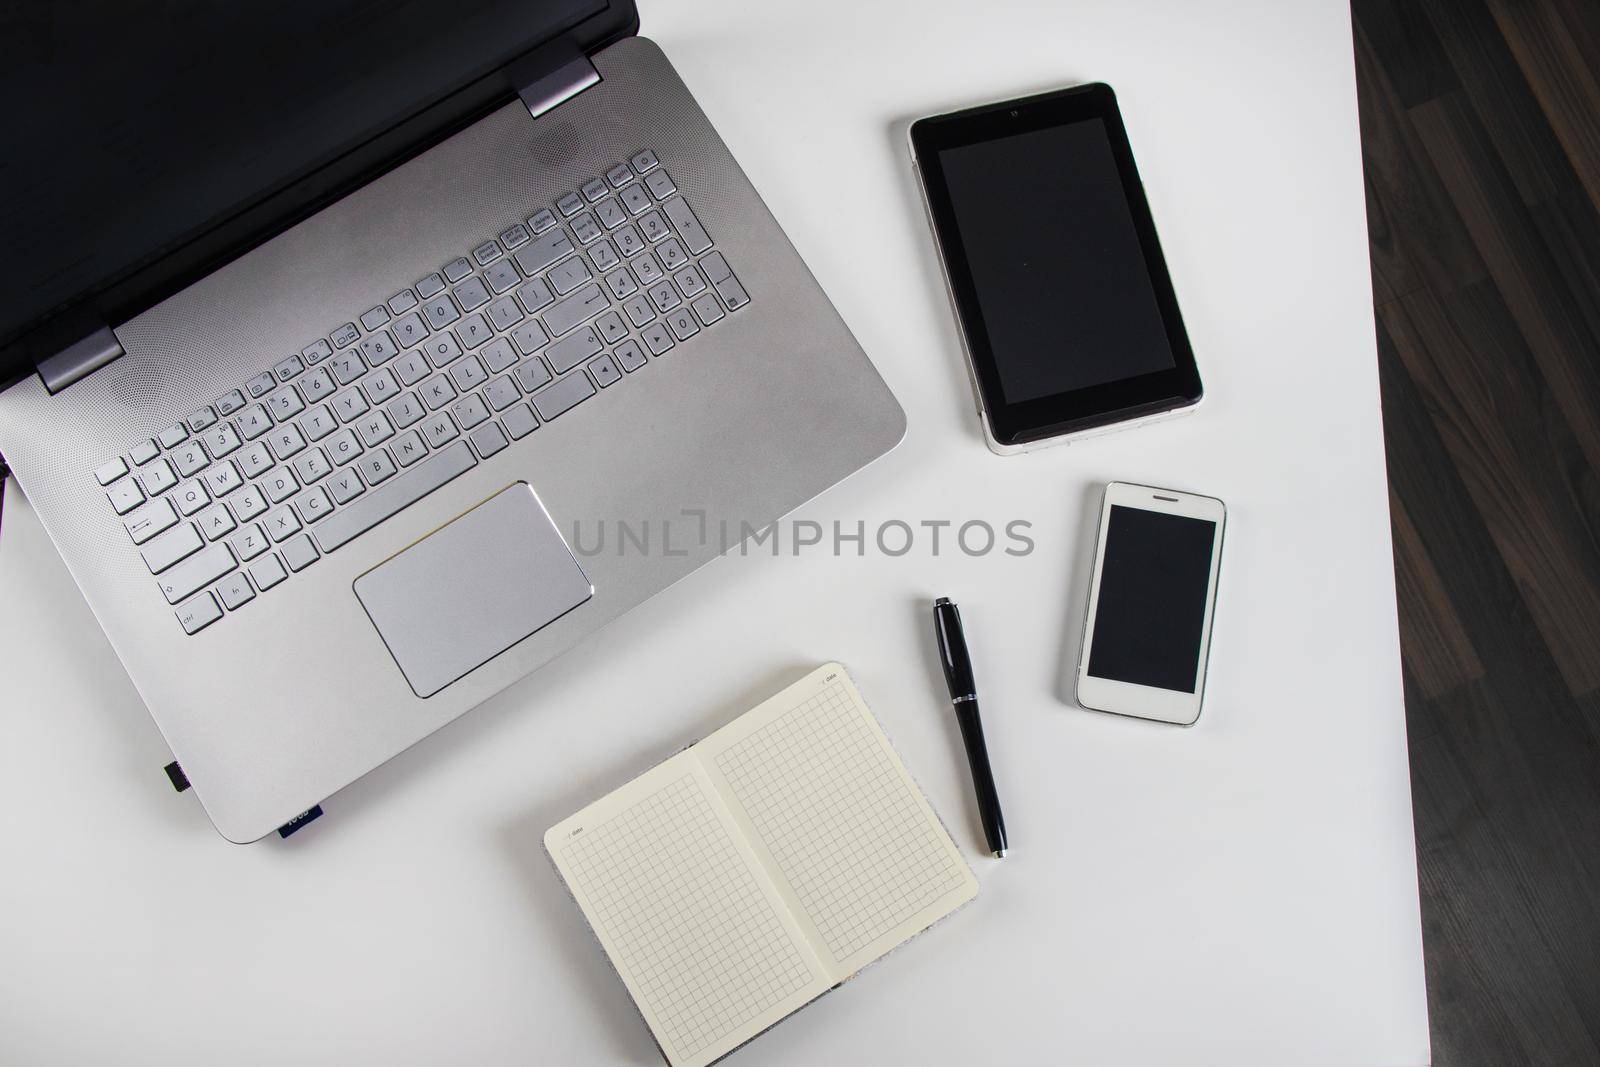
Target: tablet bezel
x: 1029, y: 421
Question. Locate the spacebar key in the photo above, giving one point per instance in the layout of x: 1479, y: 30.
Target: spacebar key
x: 386, y: 500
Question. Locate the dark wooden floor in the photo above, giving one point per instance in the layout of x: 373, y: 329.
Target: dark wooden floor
x: 1481, y: 131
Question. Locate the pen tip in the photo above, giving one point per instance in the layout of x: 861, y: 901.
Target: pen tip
x: 941, y: 602
x: 1000, y: 855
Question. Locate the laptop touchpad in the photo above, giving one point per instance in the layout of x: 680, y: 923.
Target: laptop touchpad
x: 472, y: 589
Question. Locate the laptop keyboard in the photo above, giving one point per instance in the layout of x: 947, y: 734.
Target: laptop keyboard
x: 322, y: 446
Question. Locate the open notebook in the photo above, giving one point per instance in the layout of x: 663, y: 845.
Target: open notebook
x: 760, y: 867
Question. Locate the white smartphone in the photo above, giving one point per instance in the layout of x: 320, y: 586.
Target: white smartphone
x: 1147, y: 632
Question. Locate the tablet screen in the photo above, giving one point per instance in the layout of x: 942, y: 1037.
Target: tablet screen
x: 1055, y: 260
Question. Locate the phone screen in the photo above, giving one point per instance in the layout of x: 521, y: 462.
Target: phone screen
x: 1150, y: 616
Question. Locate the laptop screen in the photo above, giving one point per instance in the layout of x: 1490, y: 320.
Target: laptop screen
x: 131, y: 128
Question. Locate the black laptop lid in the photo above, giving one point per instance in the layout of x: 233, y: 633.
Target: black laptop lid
x: 147, y: 143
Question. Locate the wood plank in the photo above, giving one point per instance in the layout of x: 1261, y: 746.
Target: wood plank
x: 1434, y: 645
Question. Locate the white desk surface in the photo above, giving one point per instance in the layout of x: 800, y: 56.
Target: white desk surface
x: 1242, y: 892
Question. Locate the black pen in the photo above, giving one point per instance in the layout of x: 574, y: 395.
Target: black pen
x: 964, y: 698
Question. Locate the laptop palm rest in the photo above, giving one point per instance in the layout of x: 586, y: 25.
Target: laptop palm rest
x: 472, y: 589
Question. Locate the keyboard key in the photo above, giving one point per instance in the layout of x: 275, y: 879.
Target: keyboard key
x: 313, y: 505
x: 488, y: 440
x: 473, y: 331
x: 690, y: 283
x: 190, y: 497
x: 470, y: 412
x: 204, y: 417
x: 285, y: 403
x: 513, y: 236
x: 299, y: 553
x: 660, y: 185
x: 647, y: 270
x: 375, y: 429
x: 376, y: 466
x: 125, y: 496
x: 658, y: 337
x: 500, y: 393
x: 279, y: 485
x: 224, y: 478
x: 378, y: 349
x: 347, y: 367
x: 498, y: 354
x: 249, y: 542
x: 610, y: 213
x: 532, y: 374
x: 312, y: 466
x: 645, y: 162
x: 629, y: 243
x: 438, y: 430
x: 291, y: 367
x: 530, y: 337
x: 405, y: 411
x: 571, y: 351
x: 683, y: 219
x: 216, y: 522
x: 442, y: 349
x: 408, y: 448
x: 535, y: 295
x: 318, y: 423
x: 145, y: 522
x: 253, y: 422
x: 502, y: 277
x: 544, y: 251
x: 437, y: 392
x: 579, y: 307
x: 195, y: 615
x: 254, y: 459
x: 594, y: 189
x: 248, y: 503
x: 283, y: 524
x: 345, y: 485
x: 468, y: 374
x: 567, y: 276
x: 227, y: 405
x: 471, y: 294
x: 343, y: 447
x: 630, y: 356
x: 457, y: 269
x: 171, y: 547
x: 640, y: 310
x: 111, y: 471
x: 653, y: 226
x: 611, y: 327
x: 505, y: 313
x: 487, y: 253
x: 402, y: 302
x: 621, y: 284
x: 672, y: 254
x: 382, y: 502
x: 619, y: 175
x: 172, y: 436
x: 636, y: 199
x: 570, y: 204
x: 157, y: 478
x: 317, y: 386
x: 412, y: 367
x: 561, y: 397
x: 732, y: 293
x: 519, y: 422
x: 267, y: 572
x: 604, y: 256
x: 183, y: 580
x: 345, y: 336
x: 430, y: 286
x: 316, y: 352
x: 381, y: 387
x: 707, y: 309
x: 542, y: 221
x: 586, y: 229
x: 605, y: 371
x: 350, y: 405
x: 664, y: 296
x: 683, y: 324
x: 408, y: 329
x: 261, y: 385
x: 440, y: 311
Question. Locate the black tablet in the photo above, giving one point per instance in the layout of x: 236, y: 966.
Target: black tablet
x: 1062, y: 293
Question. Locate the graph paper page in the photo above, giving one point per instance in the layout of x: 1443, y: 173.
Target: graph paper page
x: 845, y: 832
x: 700, y: 935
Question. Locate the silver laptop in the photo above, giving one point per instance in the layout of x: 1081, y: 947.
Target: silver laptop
x: 329, y: 326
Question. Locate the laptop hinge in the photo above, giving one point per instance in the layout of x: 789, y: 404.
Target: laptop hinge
x: 80, y: 359
x: 560, y: 85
